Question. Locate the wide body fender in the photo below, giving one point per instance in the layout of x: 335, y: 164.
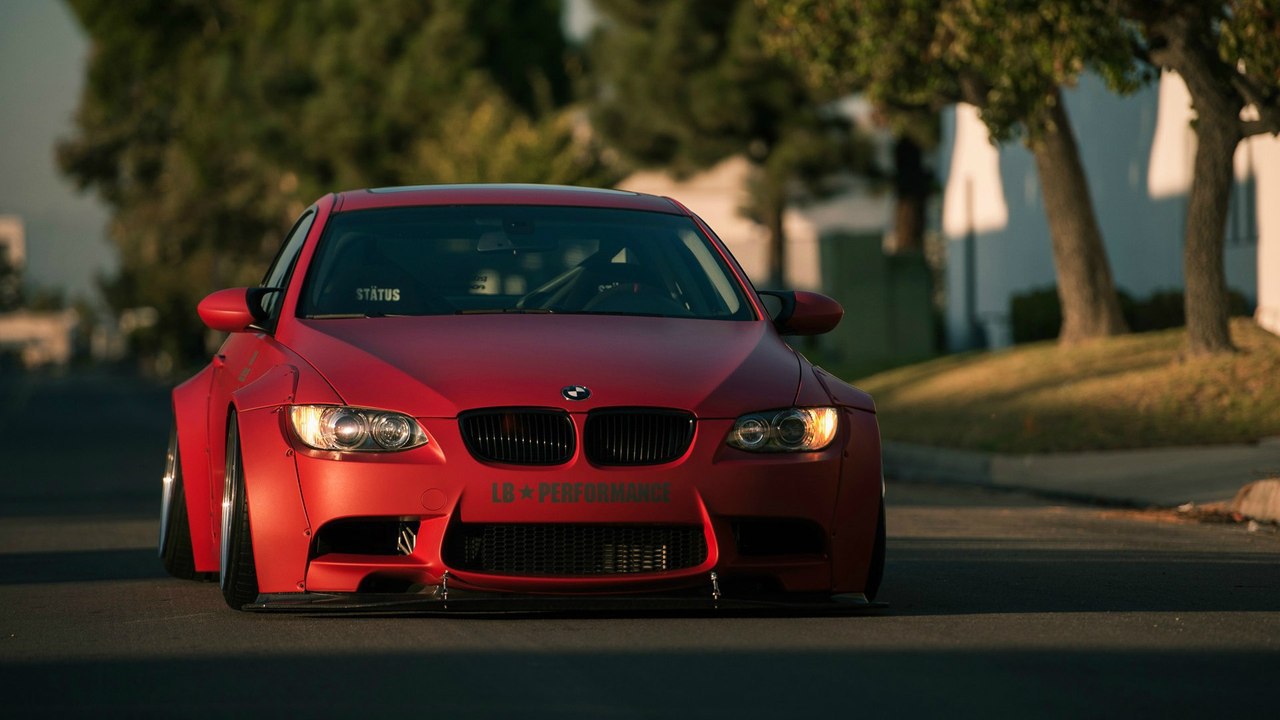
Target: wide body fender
x: 277, y: 517
x: 191, y: 416
x: 858, y: 504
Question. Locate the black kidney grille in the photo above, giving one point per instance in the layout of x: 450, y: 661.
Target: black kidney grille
x: 636, y: 436
x: 519, y: 437
x: 565, y: 549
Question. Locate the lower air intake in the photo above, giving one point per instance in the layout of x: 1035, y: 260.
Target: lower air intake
x: 573, y: 550
x: 367, y: 536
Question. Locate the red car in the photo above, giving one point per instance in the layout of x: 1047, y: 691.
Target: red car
x: 502, y: 396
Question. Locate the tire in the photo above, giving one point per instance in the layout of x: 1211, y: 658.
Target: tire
x: 238, y: 577
x: 876, y: 572
x: 175, y: 528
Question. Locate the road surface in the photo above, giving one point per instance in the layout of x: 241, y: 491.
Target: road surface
x: 1000, y: 605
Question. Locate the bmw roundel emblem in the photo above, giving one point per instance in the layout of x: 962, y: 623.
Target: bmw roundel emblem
x: 575, y: 392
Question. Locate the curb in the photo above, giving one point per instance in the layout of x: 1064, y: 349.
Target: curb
x: 1156, y: 477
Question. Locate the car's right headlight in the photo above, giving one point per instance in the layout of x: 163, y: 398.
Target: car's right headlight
x: 787, y: 430
x: 349, y: 429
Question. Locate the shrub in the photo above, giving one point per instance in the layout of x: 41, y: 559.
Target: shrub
x: 1037, y: 314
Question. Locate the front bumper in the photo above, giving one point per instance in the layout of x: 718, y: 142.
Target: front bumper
x: 712, y: 487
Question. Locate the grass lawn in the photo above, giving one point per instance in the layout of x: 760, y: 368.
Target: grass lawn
x: 1126, y: 392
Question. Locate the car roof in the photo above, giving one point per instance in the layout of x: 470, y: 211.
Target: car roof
x: 502, y: 194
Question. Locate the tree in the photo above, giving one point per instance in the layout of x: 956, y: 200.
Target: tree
x: 1010, y: 61
x: 913, y: 184
x: 10, y: 284
x: 1228, y: 53
x: 208, y: 126
x: 683, y: 84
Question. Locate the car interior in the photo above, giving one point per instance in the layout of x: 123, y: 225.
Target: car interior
x: 497, y: 264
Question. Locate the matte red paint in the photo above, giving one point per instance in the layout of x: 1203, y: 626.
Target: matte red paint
x: 191, y: 409
x: 435, y: 366
x: 498, y: 194
x: 432, y: 368
x: 813, y: 314
x: 226, y: 310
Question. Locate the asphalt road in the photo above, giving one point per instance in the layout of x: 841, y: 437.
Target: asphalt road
x: 1000, y: 605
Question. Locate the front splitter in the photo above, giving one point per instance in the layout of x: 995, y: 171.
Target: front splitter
x: 431, y: 603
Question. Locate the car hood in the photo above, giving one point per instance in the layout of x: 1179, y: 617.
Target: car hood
x: 439, y: 366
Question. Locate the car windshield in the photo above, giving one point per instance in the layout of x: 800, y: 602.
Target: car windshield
x: 512, y: 259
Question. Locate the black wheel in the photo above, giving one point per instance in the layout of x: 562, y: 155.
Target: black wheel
x: 876, y: 572
x: 175, y: 529
x: 239, y: 576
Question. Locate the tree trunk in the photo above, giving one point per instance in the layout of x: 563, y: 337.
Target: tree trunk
x: 911, y: 187
x: 774, y: 212
x: 1090, y: 307
x: 1205, y: 299
x: 1218, y: 132
x: 1185, y: 46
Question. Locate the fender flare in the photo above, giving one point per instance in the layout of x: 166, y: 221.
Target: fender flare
x: 190, y: 403
x: 858, y: 505
x: 271, y: 481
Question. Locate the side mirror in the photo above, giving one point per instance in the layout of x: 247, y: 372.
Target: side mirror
x: 801, y: 312
x: 235, y: 309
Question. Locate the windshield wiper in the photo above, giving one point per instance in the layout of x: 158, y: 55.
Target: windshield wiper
x: 352, y: 316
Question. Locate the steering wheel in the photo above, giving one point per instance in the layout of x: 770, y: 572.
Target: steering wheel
x: 629, y: 288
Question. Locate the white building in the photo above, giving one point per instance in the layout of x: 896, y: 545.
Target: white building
x: 13, y: 260
x: 1138, y: 153
x: 35, y: 338
x: 39, y: 338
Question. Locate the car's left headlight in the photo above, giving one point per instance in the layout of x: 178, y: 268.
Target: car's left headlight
x: 334, y: 427
x: 786, y: 430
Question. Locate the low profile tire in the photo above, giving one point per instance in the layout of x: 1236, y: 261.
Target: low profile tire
x: 876, y: 572
x: 238, y: 577
x: 175, y: 529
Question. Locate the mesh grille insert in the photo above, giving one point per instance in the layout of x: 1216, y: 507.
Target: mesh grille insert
x: 519, y: 436
x: 568, y: 549
x: 638, y: 436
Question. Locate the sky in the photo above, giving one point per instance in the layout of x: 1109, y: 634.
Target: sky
x: 42, y: 52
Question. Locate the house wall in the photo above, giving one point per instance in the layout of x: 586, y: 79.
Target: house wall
x: 1265, y: 158
x: 1137, y: 154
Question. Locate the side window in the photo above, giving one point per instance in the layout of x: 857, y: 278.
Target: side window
x: 282, y: 266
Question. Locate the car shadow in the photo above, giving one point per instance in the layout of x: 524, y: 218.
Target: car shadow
x: 641, y: 682
x: 30, y: 568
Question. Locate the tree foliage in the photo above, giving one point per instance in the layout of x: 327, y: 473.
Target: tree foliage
x: 10, y: 284
x: 1007, y: 59
x: 208, y: 126
x: 683, y: 84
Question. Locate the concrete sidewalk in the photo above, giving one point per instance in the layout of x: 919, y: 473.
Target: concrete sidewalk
x: 1162, y: 477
